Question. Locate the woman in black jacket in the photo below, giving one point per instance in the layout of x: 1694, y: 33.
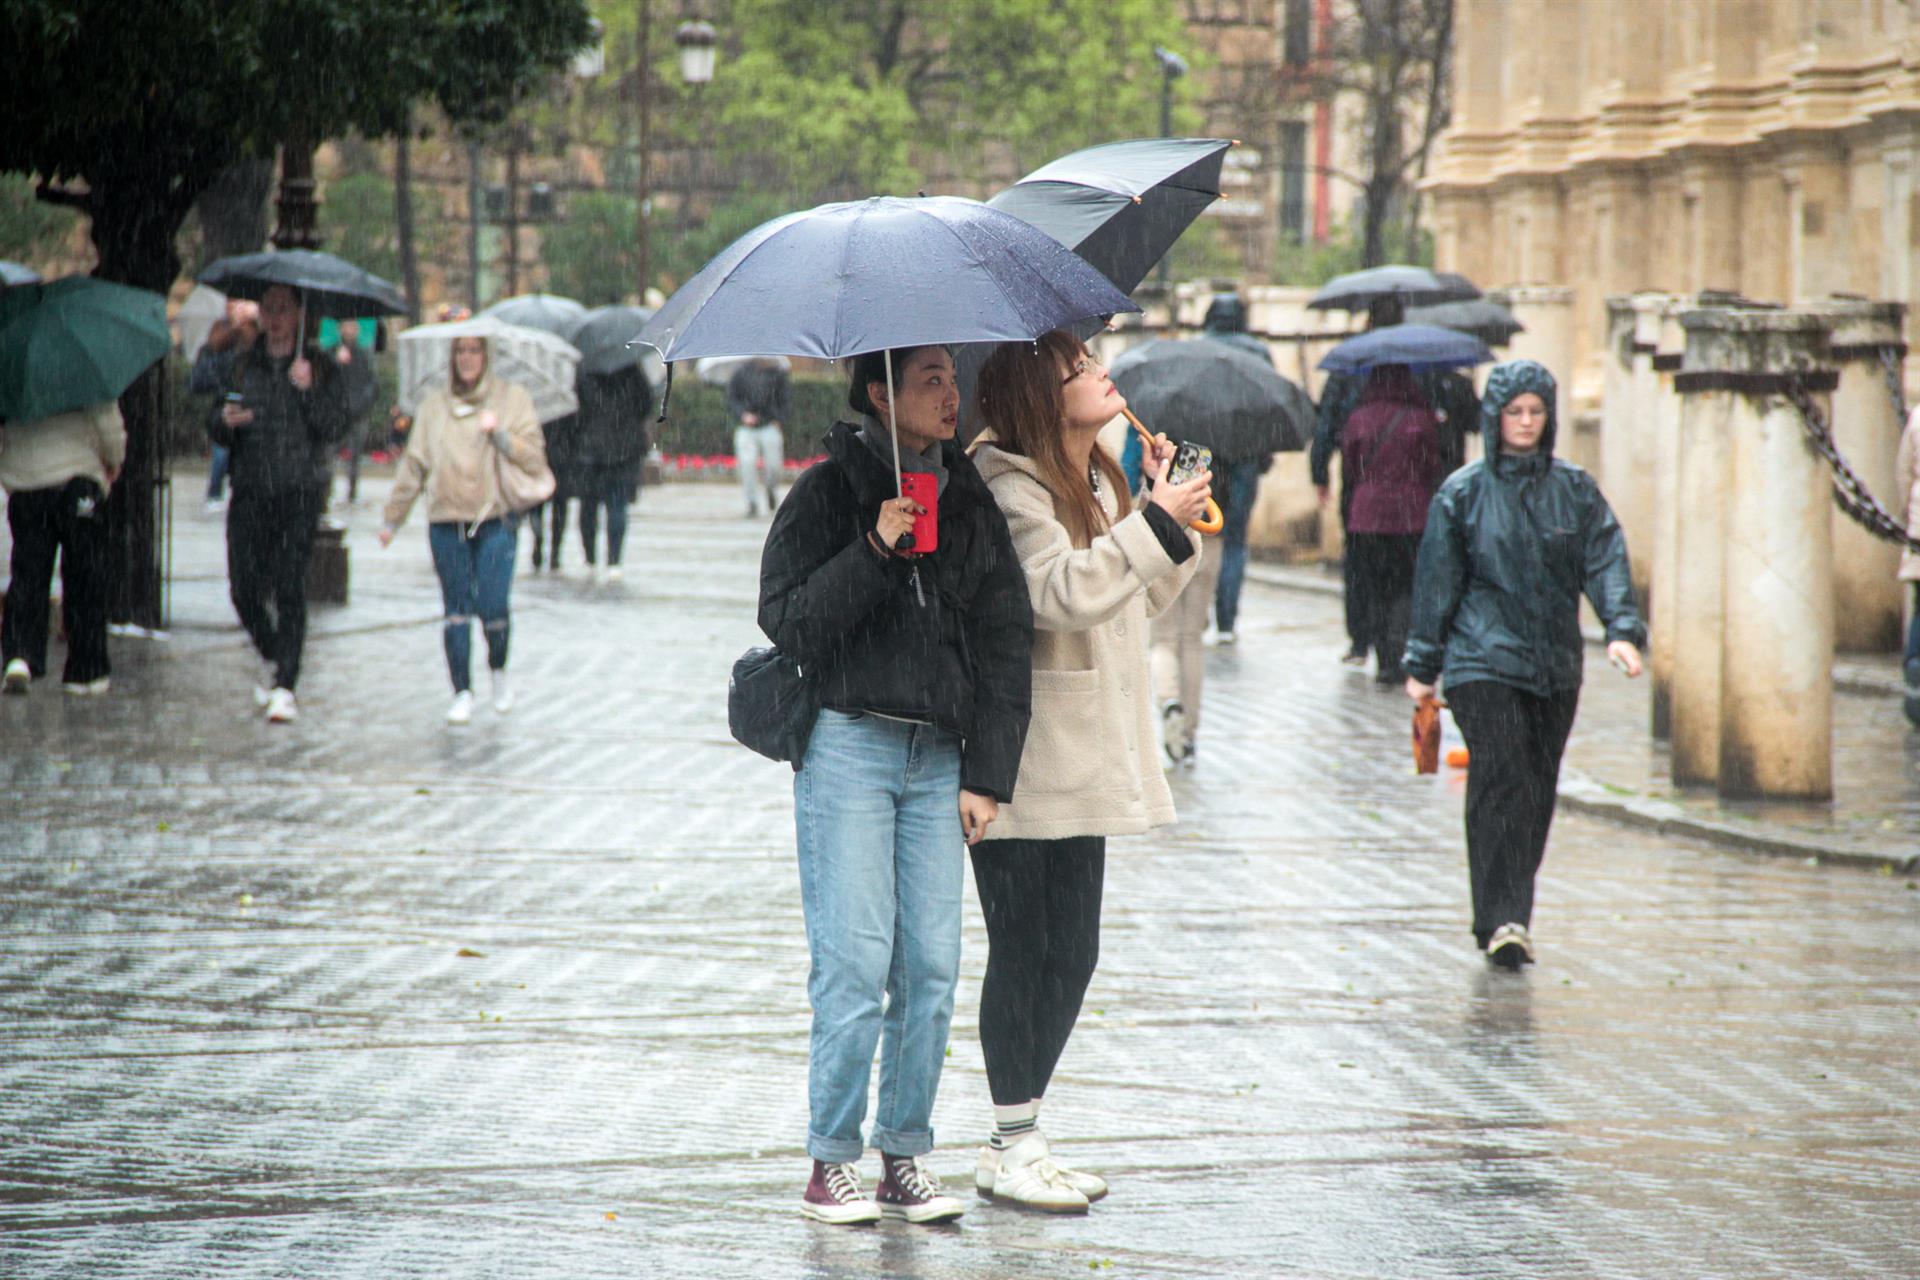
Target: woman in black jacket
x: 1511, y: 543
x: 921, y: 660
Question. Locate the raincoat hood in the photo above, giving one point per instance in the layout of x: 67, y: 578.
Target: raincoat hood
x: 1516, y: 378
x: 1225, y: 314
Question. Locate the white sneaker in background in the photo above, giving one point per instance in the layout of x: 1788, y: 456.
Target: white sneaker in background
x: 1173, y: 736
x: 281, y: 707
x: 18, y: 676
x: 264, y: 683
x: 502, y: 692
x: 88, y: 688
x: 461, y: 712
x: 613, y: 573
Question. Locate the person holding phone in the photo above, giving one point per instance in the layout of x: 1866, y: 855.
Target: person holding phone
x: 462, y: 435
x: 1096, y: 570
x: 917, y: 648
x: 1511, y: 542
x: 283, y: 413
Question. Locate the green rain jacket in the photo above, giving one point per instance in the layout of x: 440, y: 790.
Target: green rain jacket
x: 1510, y: 545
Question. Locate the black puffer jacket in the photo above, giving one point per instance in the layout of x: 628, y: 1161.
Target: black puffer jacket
x: 290, y: 442
x: 1510, y: 544
x: 946, y: 637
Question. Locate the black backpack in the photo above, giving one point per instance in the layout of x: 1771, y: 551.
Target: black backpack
x: 771, y: 705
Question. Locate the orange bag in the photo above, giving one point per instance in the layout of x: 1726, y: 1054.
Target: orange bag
x: 1426, y: 735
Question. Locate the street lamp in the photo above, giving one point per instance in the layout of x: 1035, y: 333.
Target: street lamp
x: 1172, y: 67
x: 696, y: 41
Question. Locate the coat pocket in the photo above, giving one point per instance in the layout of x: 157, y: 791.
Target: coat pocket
x: 1065, y: 749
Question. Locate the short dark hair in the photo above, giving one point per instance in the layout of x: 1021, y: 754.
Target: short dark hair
x: 871, y: 366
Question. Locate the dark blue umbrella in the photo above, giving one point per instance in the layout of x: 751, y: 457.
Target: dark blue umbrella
x: 1121, y: 205
x: 1414, y: 286
x: 874, y: 274
x: 1421, y: 346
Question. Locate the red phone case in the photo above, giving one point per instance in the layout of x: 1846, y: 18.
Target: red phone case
x: 925, y: 490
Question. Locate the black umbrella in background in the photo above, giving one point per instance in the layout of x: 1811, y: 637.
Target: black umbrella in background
x: 1414, y: 286
x: 1483, y: 318
x: 547, y: 312
x: 1216, y: 394
x: 605, y: 335
x: 330, y: 286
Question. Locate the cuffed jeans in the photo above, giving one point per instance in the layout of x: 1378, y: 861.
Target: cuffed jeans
x: 1243, y: 491
x: 877, y: 811
x: 475, y: 565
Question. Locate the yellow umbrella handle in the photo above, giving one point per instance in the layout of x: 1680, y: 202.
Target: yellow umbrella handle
x: 1214, y: 521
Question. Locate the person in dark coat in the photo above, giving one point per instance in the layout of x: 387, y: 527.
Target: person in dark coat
x: 1394, y: 462
x: 922, y: 663
x: 1236, y: 481
x: 1338, y: 398
x: 760, y: 402
x: 559, y: 436
x: 609, y: 451
x: 283, y: 415
x: 355, y: 367
x: 1512, y: 541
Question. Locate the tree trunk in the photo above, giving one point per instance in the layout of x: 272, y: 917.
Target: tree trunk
x: 1387, y: 62
x: 403, y: 220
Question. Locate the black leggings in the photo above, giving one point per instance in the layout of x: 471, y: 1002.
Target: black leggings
x: 1041, y: 899
x: 1514, y: 740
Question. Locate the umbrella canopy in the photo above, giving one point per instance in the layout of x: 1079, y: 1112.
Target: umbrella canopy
x: 539, y: 361
x: 1420, y: 346
x: 196, y: 317
x: 1484, y: 318
x: 717, y: 371
x: 12, y: 273
x: 1415, y: 286
x: 75, y: 342
x: 548, y: 312
x: 1120, y: 205
x: 331, y: 286
x: 880, y: 273
x: 606, y: 341
x: 1216, y: 394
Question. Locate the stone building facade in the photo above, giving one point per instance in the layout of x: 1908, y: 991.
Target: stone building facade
x: 1598, y: 147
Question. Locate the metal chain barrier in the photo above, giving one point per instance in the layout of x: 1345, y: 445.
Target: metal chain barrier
x: 1849, y: 491
x: 1892, y: 360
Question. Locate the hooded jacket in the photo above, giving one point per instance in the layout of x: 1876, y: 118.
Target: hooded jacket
x: 289, y: 444
x: 944, y: 637
x: 1511, y: 543
x: 456, y: 461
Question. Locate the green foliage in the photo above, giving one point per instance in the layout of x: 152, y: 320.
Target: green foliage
x: 1308, y: 263
x: 29, y: 229
x: 356, y: 222
x: 590, y: 252
x: 697, y: 421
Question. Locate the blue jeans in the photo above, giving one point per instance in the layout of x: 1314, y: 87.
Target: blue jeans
x: 475, y: 564
x: 877, y: 810
x: 1243, y: 489
x: 217, y: 473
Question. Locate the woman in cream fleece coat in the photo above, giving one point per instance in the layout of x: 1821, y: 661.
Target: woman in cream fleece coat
x: 1096, y: 571
x: 461, y: 438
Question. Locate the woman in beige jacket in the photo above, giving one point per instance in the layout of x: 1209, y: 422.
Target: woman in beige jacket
x: 1906, y: 493
x: 461, y: 438
x: 1096, y: 571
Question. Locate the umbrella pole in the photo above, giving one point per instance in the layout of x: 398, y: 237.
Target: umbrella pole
x: 1213, y: 522
x: 893, y: 427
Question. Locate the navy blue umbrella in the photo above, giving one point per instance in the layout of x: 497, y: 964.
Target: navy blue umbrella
x: 1422, y: 346
x: 874, y: 274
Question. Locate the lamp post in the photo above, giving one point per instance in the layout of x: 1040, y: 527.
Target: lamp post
x: 696, y: 40
x: 1172, y: 67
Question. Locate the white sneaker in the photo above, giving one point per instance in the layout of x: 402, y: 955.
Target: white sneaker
x: 1090, y: 1185
x: 281, y: 707
x: 1174, y: 738
x: 88, y: 688
x: 18, y: 676
x: 1027, y: 1176
x: 613, y: 573
x: 461, y: 712
x: 502, y: 692
x: 1510, y: 946
x: 263, y: 686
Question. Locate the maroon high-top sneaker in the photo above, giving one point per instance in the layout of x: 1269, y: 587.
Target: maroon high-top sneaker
x: 834, y: 1196
x: 911, y: 1193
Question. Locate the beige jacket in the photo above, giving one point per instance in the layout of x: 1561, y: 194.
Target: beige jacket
x: 450, y: 456
x: 1906, y: 492
x: 47, y: 453
x: 1091, y: 765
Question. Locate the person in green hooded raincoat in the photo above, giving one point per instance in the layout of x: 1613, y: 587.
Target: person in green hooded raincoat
x: 1511, y: 543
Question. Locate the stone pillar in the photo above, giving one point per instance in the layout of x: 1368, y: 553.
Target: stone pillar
x: 1662, y: 552
x: 1771, y: 654
x: 1547, y: 313
x: 1816, y: 180
x: 1866, y: 426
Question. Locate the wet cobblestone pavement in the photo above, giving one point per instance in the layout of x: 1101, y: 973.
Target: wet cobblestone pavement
x: 372, y: 997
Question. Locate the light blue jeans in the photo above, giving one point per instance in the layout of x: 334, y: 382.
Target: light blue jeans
x: 877, y: 809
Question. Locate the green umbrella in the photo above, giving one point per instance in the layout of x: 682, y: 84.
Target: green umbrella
x: 75, y: 342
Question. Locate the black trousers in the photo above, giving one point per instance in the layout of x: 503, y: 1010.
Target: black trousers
x: 1515, y: 740
x: 1041, y: 899
x: 269, y: 542
x: 1380, y: 594
x: 69, y: 521
x: 1349, y: 592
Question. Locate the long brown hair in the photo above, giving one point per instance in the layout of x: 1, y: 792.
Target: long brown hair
x: 1021, y: 397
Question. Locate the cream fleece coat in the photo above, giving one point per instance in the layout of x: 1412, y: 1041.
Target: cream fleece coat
x: 1091, y: 765
x: 453, y: 459
x: 46, y: 454
x: 1906, y: 492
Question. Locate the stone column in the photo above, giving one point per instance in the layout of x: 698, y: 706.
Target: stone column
x: 1662, y: 552
x: 1547, y: 313
x: 1866, y: 426
x: 1692, y: 639
x: 1774, y: 731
